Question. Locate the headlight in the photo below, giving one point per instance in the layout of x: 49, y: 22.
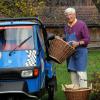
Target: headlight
x: 27, y: 73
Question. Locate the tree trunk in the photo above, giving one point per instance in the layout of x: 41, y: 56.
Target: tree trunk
x: 97, y: 4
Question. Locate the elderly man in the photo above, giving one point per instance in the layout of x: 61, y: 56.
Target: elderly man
x: 76, y: 33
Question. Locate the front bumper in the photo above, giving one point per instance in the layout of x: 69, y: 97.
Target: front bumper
x: 19, y: 87
x: 13, y: 87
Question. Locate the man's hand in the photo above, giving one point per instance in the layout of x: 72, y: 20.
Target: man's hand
x: 74, y: 43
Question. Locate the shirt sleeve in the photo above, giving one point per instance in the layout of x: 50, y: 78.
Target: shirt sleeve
x: 85, y: 34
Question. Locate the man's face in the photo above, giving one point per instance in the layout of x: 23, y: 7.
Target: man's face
x: 70, y: 17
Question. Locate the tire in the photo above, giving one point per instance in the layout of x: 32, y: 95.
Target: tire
x: 51, y: 87
x: 14, y: 98
x: 3, y: 98
x: 51, y: 93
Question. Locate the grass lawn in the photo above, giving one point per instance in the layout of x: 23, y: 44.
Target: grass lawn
x: 63, y: 76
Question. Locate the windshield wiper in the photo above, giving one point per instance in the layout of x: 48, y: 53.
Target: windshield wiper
x: 19, y: 45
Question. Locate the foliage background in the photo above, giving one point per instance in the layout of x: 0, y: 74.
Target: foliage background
x: 97, y: 4
x: 24, y: 8
x: 19, y: 8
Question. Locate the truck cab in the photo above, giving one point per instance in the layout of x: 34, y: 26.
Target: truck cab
x: 25, y: 67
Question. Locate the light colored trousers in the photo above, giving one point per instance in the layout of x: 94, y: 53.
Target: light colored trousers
x: 79, y: 78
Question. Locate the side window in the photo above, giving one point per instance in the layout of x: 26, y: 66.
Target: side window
x: 41, y: 38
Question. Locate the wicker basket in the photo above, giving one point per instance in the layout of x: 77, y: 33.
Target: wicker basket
x: 78, y: 94
x: 60, y: 50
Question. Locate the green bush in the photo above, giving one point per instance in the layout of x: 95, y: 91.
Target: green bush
x: 95, y: 80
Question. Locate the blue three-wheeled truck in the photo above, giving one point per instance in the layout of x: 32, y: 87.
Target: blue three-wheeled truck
x: 25, y: 67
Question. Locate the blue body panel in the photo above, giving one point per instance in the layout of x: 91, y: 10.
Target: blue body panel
x: 13, y: 61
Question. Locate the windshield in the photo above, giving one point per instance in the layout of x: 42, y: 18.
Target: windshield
x: 12, y: 36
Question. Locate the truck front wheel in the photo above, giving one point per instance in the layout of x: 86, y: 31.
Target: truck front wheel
x: 51, y: 92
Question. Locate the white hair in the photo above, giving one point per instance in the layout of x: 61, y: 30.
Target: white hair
x: 69, y: 10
